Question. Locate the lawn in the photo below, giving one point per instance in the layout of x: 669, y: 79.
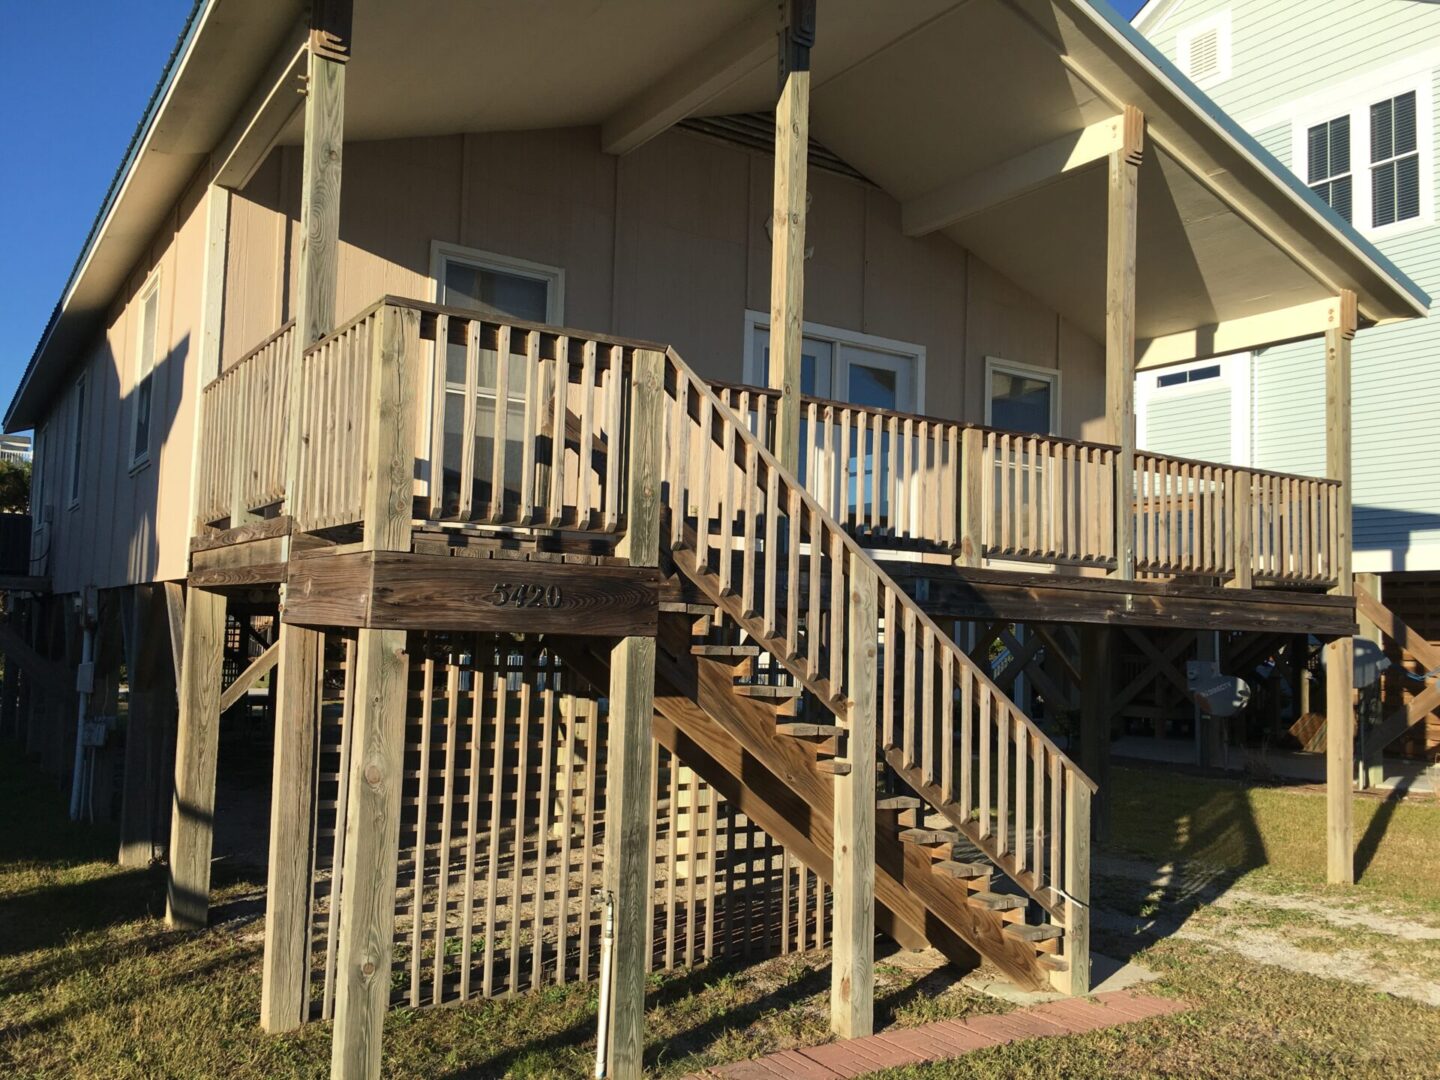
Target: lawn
x: 91, y: 984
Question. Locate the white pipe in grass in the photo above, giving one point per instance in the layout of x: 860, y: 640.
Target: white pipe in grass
x: 607, y: 952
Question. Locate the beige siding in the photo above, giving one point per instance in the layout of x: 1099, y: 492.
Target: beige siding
x: 668, y: 243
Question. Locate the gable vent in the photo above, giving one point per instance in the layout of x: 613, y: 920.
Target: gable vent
x: 1204, y: 60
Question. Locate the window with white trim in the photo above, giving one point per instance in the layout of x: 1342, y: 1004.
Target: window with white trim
x: 1368, y: 153
x: 498, y: 286
x: 1394, y: 160
x: 1022, y: 397
x: 143, y: 394
x: 1327, y: 168
x: 77, y: 440
x: 1202, y: 50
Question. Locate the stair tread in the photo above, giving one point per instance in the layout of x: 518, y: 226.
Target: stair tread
x: 998, y: 901
x: 802, y: 730
x: 760, y: 690
x: 929, y: 836
x: 834, y: 767
x: 1052, y: 963
x: 898, y: 802
x: 963, y: 870
x: 1033, y: 933
x: 725, y: 651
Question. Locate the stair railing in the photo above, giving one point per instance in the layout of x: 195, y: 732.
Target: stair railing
x: 747, y: 528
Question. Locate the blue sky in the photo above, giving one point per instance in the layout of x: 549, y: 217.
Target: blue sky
x: 65, y: 137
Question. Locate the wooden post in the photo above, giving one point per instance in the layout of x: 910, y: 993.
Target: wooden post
x: 193, y: 809
x: 629, y: 873
x: 1372, y: 751
x: 1077, y: 886
x: 972, y: 498
x: 152, y: 711
x: 852, y: 960
x: 1095, y: 690
x: 372, y: 821
x: 1241, y: 535
x: 1124, y: 167
x: 787, y: 260
x: 1210, y: 730
x: 1340, y: 654
x: 284, y: 981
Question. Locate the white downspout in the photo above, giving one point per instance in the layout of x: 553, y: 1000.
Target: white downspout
x: 602, y: 1029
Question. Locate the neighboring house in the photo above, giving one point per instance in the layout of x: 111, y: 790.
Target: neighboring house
x: 422, y: 399
x: 1353, y: 113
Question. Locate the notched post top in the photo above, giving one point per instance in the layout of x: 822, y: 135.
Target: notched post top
x: 330, y: 29
x: 797, y: 37
x: 1348, y: 314
x: 1132, y: 144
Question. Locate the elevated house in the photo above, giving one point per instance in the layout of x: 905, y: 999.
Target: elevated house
x: 610, y: 420
x: 1352, y: 112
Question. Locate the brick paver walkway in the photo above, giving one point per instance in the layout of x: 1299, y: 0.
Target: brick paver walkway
x: 947, y: 1039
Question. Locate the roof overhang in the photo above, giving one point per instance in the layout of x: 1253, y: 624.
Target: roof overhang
x: 923, y: 97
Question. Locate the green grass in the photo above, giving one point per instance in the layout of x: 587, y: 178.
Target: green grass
x: 1274, y: 838
x: 91, y: 985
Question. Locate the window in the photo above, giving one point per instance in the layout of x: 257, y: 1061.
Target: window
x: 1019, y: 397
x: 1365, y: 150
x: 844, y: 365
x: 1180, y: 378
x: 495, y: 285
x: 1203, y: 50
x: 1394, y: 161
x: 77, y: 440
x: 143, y: 393
x: 1328, y: 165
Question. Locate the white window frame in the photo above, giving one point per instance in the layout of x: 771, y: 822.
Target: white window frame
x: 1355, y: 100
x: 898, y: 351
x: 79, y: 405
x: 442, y: 251
x: 140, y: 456
x: 1235, y: 372
x: 998, y: 364
x: 1220, y: 23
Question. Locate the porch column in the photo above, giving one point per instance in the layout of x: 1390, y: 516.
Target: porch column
x: 192, y: 819
x: 787, y: 259
x: 285, y: 972
x: 852, y: 957
x: 628, y: 874
x: 1340, y: 654
x: 1124, y: 169
x: 372, y: 821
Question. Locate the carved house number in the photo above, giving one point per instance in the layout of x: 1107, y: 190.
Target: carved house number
x: 522, y: 595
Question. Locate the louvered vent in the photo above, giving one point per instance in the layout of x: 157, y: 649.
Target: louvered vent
x: 757, y: 131
x: 1205, y: 55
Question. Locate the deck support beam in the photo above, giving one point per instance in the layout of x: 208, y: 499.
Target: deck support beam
x: 852, y: 956
x: 1124, y: 168
x: 1340, y: 653
x: 629, y: 875
x: 787, y: 258
x: 192, y: 821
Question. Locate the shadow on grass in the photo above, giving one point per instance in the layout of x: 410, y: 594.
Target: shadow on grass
x: 1375, y: 831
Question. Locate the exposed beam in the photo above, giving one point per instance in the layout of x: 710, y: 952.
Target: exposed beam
x: 1308, y: 320
x: 276, y: 98
x: 697, y: 79
x: 1020, y: 175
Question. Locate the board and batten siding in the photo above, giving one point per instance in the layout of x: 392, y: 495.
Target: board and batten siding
x: 1279, y: 66
x: 668, y: 243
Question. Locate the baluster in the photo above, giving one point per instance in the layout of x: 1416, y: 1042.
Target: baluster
x: 772, y: 548
x: 558, y: 432
x: 984, y: 721
x: 794, y: 504
x: 587, y: 434
x: 704, y: 462
x: 950, y: 487
x: 749, y: 564
x: 725, y: 543
x: 1022, y: 794
x: 1002, y: 774
x: 813, y: 633
x: 613, y: 445
x: 838, y: 607
x: 527, y: 447
x: 501, y: 440
x: 1005, y: 478
x: 680, y: 478
x: 927, y: 706
x: 1037, y: 815
x: 907, y: 716
x: 947, y: 726
x: 1032, y: 528
x: 890, y: 658
x: 967, y: 739
x: 1057, y: 806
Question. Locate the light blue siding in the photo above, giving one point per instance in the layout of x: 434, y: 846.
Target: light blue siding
x: 1193, y: 424
x: 1279, y: 61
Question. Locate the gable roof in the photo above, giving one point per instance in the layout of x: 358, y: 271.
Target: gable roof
x: 906, y: 94
x: 1152, y: 11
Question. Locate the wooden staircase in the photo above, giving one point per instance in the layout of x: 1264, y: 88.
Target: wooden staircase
x: 981, y: 833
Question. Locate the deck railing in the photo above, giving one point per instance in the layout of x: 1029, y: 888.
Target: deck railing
x: 535, y: 450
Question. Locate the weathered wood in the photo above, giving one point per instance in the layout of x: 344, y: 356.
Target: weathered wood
x: 249, y: 677
x: 243, y: 534
x: 1120, y: 348
x: 1340, y: 654
x: 175, y: 612
x: 852, y: 971
x: 787, y: 261
x: 387, y: 504
x: 372, y: 838
x: 284, y: 985
x: 143, y: 827
x: 973, y: 508
x: 1096, y: 693
x: 1076, y: 978
x: 402, y: 591
x: 197, y: 744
